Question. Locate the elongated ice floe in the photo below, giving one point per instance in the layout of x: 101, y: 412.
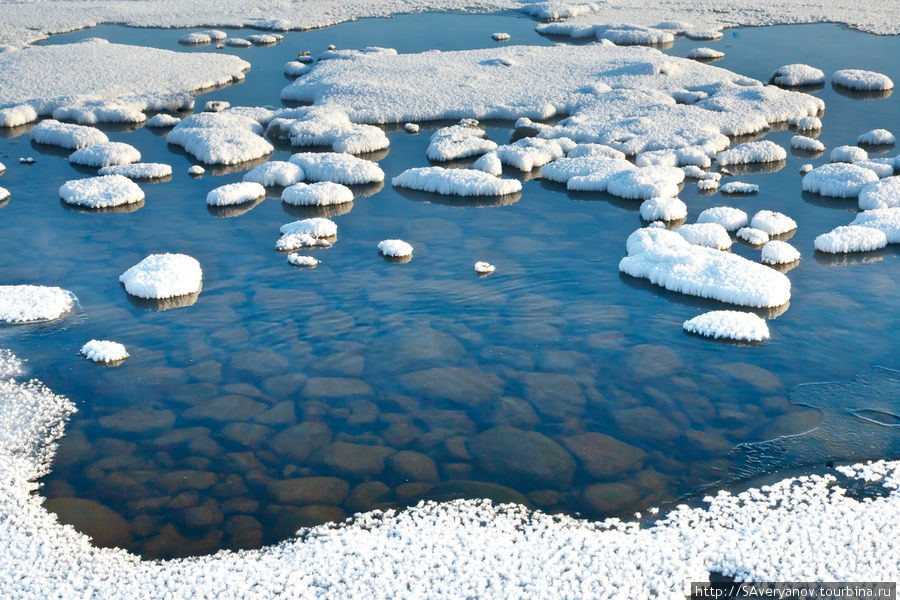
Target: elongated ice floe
x: 599, y: 168
x: 752, y: 235
x: 739, y: 187
x: 668, y: 260
x: 162, y: 121
x: 484, y: 268
x: 237, y: 42
x: 160, y: 276
x: 838, y: 180
x: 104, y: 351
x: 663, y: 209
x: 883, y: 167
x: 807, y: 123
x: 730, y: 325
x: 859, y: 79
x: 877, y: 137
x: 773, y: 223
x: 235, y: 193
x: 675, y: 157
x: 848, y: 154
x: 798, y: 75
x: 761, y: 151
x: 851, y: 238
x: 530, y: 153
x: 317, y: 126
x: 337, y: 167
x: 4, y: 195
x: 299, y: 260
x: 500, y: 36
x: 779, y: 253
x: 705, y: 53
x: 323, y: 193
x: 808, y: 144
x: 728, y: 217
x: 196, y: 171
x: 458, y: 141
x: 31, y: 303
x: 396, y: 248
x: 104, y: 191
x: 66, y: 135
x: 886, y: 220
x: 456, y: 182
x: 105, y: 154
x: 710, y: 235
x: 317, y: 227
x: 697, y: 173
x: 220, y: 138
x: 140, y: 171
x: 275, y: 173
x: 884, y: 193
x: 644, y: 183
x: 599, y: 150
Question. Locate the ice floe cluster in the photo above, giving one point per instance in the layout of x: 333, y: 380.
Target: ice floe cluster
x: 456, y: 182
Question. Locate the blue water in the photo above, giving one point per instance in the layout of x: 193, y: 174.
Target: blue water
x: 555, y: 342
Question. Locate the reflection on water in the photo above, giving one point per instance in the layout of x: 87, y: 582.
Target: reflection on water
x: 286, y: 397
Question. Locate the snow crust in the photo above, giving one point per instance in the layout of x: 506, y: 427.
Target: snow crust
x: 337, y: 167
x: 761, y: 151
x: 859, y: 79
x: 709, y: 235
x: 851, y: 238
x: 235, y: 193
x: 773, y: 223
x: 802, y: 142
x: 798, y: 74
x: 105, y: 154
x: 739, y: 187
x: 160, y: 276
x: 456, y: 182
x: 397, y: 248
x: 104, y: 191
x: 104, y: 351
x: 66, y: 135
x: 838, y: 180
x: 729, y: 324
x: 140, y: 171
x: 663, y: 209
x: 779, y: 253
x: 275, y: 173
x: 884, y: 193
x: 728, y: 217
x: 29, y: 303
x: 877, y: 137
x: 318, y: 194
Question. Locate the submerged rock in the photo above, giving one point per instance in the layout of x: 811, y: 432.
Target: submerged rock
x: 105, y: 526
x: 603, y: 456
x: 526, y: 457
x: 309, y: 490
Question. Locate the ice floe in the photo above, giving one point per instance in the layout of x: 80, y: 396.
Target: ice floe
x: 4, y: 195
x: 642, y: 183
x: 161, y: 276
x: 317, y: 194
x: 275, y: 173
x: 316, y: 227
x: 237, y: 42
x: 299, y: 260
x: 805, y: 168
x: 858, y: 79
x: 196, y: 171
x: 105, y: 154
x: 484, y: 268
x: 599, y: 150
x: 728, y: 217
x: 235, y: 193
x: 411, y: 128
x: 807, y: 123
x: 337, y: 167
x: 530, y: 153
x: 316, y: 126
x: 220, y: 138
x: 396, y: 248
x: 848, y: 154
x: 710, y: 235
x: 598, y: 167
x: 663, y: 209
x: 668, y: 260
x: 104, y: 351
x: 838, y: 180
x: 776, y: 252
x: 705, y: 53
x: 295, y: 68
x: 708, y: 185
x: 500, y: 36
x: 884, y: 193
x: 798, y: 75
x: 851, y: 238
x: 30, y: 303
x: 489, y: 163
x: 456, y: 182
x: 883, y: 167
x: 807, y: 144
x: 679, y: 157
x: 216, y: 105
x: 265, y: 39
x: 761, y: 151
x: 458, y: 141
x: 739, y: 187
x: 877, y: 137
x: 104, y: 191
x: 773, y: 223
x: 620, y: 34
x: 66, y: 135
x: 139, y: 171
x: 162, y: 121
x: 752, y: 235
x: 730, y: 325
x: 886, y: 220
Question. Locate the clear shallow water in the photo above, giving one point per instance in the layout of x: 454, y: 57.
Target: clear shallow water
x: 391, y: 380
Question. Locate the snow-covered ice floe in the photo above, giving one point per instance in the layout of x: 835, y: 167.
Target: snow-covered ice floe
x: 752, y: 235
x: 295, y: 68
x: 30, y: 303
x: 708, y: 185
x: 396, y: 248
x: 530, y: 153
x: 484, y: 268
x: 838, y: 180
x: 456, y: 182
x: 848, y: 154
x: 877, y: 137
x: 886, y: 220
x: 499, y: 36
x: 93, y: 81
x: 162, y: 121
x: 299, y: 260
x: 807, y: 123
x: 238, y: 42
x: 851, y: 238
x: 216, y: 105
x: 66, y: 135
x: 761, y: 151
x: 636, y: 184
x: 663, y: 209
x: 458, y: 141
x: 805, y: 168
x: 104, y: 191
x: 598, y: 167
x: 710, y: 235
x: 140, y: 171
x: 196, y: 171
x: 10, y: 365
x: 668, y: 260
x: 884, y: 193
x: 4, y: 195
x: 807, y: 144
x: 275, y: 173
x: 739, y: 187
x: 705, y: 54
x: 235, y: 193
x: 220, y: 138
x: 411, y: 128
x: 105, y: 154
x: 795, y: 75
x: 161, y: 276
x: 323, y: 193
x: 779, y: 253
x: 728, y: 217
x: 858, y: 79
x: 621, y: 34
x: 773, y: 223
x: 104, y: 351
x: 316, y: 227
x: 337, y: 167
x: 318, y: 126
x: 265, y: 39
x: 883, y: 167
x: 729, y: 325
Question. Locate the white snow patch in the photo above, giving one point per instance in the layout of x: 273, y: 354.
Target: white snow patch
x: 530, y: 153
x: 264, y: 39
x: 838, y: 180
x: 105, y: 154
x: 779, y: 253
x: 10, y: 365
x: 663, y: 209
x: 104, y: 191
x: 4, y: 195
x: 29, y: 303
x: 851, y: 238
x: 886, y: 220
x: 238, y: 42
x: 797, y: 75
x: 316, y: 227
x: 104, y: 351
x: 275, y: 173
x: 880, y: 194
x: 316, y: 126
x: 161, y: 276
x: 729, y: 324
x: 337, y: 167
x: 295, y: 68
x: 761, y: 151
x: 141, y: 171
x: 801, y: 142
x: 773, y: 223
x: 318, y: 194
x: 397, y: 248
x: 235, y: 193
x: 710, y: 235
x: 858, y: 79
x: 848, y: 154
x: 66, y: 135
x: 456, y: 182
x: 753, y: 236
x: 220, y: 138
x: 299, y: 260
x: 484, y: 268
x: 739, y: 187
x: 877, y: 137
x: 728, y: 217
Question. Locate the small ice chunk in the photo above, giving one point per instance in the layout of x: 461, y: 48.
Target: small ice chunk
x: 851, y: 238
x: 779, y: 253
x: 4, y: 195
x: 163, y: 120
x: 104, y: 191
x: 66, y: 135
x: 456, y: 182
x: 143, y: 171
x: 105, y: 154
x: 104, y: 351
x: 884, y: 193
x: 530, y: 153
x: 484, y: 268
x: 807, y: 123
x: 295, y: 68
x: 808, y: 144
x: 886, y: 220
x: 707, y: 185
x: 265, y: 39
x: 196, y: 171
x: 704, y: 53
x: 761, y: 151
x: 275, y: 173
x: 599, y: 150
x: 235, y: 193
x: 709, y: 35
x: 797, y: 75
x: 805, y: 168
x: 29, y: 303
x: 500, y: 37
x: 753, y: 236
x: 26, y: 160
x: 216, y: 105
x: 646, y: 182
x: 858, y: 79
x: 299, y: 260
x: 316, y: 227
x: 489, y: 163
x: 729, y: 324
x: 195, y: 38
x: 710, y: 235
x: 838, y: 180
x: 773, y: 223
x: 397, y: 248
x: 161, y: 276
x: 317, y: 194
x: 739, y: 187
x: 848, y: 154
x: 877, y: 137
x: 598, y: 167
x: 663, y: 209
x: 337, y: 167
x: 411, y: 128
x: 2, y: 168
x: 238, y: 42
x: 295, y: 241
x: 458, y: 141
x: 728, y: 217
